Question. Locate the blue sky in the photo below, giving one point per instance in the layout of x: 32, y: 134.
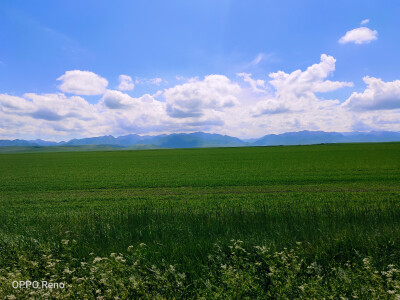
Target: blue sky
x: 177, y: 51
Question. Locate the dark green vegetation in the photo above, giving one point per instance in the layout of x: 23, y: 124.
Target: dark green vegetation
x: 337, y: 206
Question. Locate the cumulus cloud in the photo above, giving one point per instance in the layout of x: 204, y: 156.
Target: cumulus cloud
x: 125, y: 83
x: 134, y: 115
x: 55, y: 115
x: 50, y: 107
x: 296, y: 91
x: 257, y: 85
x: 192, y: 99
x: 361, y: 35
x: 54, y: 107
x: 116, y: 100
x: 269, y: 107
x: 312, y: 80
x: 377, y: 96
x: 49, y: 115
x: 289, y: 101
x: 13, y: 104
x: 82, y: 83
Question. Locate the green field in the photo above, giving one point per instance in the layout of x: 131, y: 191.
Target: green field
x: 279, y: 222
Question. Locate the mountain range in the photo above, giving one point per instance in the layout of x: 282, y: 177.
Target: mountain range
x: 202, y: 140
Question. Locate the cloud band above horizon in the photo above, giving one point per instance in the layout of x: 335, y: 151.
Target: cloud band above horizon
x: 244, y: 107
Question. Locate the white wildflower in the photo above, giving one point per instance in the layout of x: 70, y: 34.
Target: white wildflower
x: 120, y: 258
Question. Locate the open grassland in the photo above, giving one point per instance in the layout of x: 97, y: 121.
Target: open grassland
x: 284, y: 222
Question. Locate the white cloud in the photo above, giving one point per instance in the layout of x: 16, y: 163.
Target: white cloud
x: 13, y: 104
x: 296, y: 91
x: 187, y: 79
x: 377, y: 96
x: 364, y: 22
x: 49, y: 116
x: 257, y: 85
x: 156, y: 94
x: 134, y: 115
x: 50, y: 107
x: 54, y: 107
x: 120, y: 101
x: 310, y: 81
x: 156, y: 81
x: 125, y: 83
x: 295, y: 106
x: 116, y: 100
x: 270, y: 107
x: 193, y: 98
x: 361, y: 35
x: 56, y: 115
x: 291, y: 102
x: 82, y: 83
x: 257, y: 59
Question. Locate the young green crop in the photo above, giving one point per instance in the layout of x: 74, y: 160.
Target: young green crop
x: 340, y: 202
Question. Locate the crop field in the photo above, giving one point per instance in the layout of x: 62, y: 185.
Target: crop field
x: 223, y: 223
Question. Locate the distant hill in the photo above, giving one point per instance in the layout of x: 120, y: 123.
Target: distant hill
x: 33, y: 149
x: 201, y: 139
x: 319, y: 137
x: 176, y: 140
x: 194, y: 140
x: 5, y: 143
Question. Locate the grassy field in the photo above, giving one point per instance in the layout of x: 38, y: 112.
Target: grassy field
x: 279, y: 222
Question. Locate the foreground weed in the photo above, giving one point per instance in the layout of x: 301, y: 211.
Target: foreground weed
x: 236, y: 271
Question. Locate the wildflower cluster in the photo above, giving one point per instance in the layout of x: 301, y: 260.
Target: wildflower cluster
x: 234, y: 271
